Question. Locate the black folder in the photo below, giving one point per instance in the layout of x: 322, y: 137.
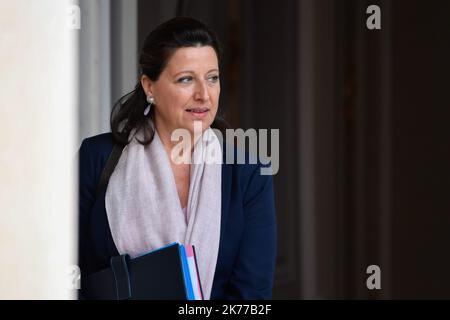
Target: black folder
x: 156, y: 275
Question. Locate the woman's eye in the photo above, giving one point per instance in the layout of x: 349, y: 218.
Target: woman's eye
x: 214, y: 79
x: 185, y: 79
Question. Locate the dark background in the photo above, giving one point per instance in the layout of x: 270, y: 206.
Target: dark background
x: 364, y: 135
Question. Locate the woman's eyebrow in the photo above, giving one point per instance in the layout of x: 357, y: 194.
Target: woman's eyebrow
x: 190, y: 71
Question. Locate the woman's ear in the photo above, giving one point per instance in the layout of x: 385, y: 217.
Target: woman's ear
x: 147, y: 85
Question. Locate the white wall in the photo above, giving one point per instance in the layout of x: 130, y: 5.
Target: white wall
x: 38, y: 133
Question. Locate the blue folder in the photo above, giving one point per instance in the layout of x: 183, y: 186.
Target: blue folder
x: 159, y: 274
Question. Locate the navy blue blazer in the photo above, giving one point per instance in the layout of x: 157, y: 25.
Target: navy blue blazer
x: 247, y: 249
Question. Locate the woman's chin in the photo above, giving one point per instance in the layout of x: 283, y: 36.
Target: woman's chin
x: 199, y: 125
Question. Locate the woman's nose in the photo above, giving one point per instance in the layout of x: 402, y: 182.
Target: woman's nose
x: 201, y: 91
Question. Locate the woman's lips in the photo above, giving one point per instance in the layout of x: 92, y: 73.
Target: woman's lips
x: 198, y: 113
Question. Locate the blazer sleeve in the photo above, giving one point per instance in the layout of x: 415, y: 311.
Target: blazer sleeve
x: 86, y: 199
x: 86, y: 178
x: 253, y: 272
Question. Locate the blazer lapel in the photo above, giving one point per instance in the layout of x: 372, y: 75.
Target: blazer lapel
x: 226, y: 192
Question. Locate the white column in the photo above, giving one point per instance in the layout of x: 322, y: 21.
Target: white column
x: 108, y: 60
x: 124, y: 47
x: 38, y: 116
x: 95, y: 67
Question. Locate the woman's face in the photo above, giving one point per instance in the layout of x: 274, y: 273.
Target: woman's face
x: 187, y: 90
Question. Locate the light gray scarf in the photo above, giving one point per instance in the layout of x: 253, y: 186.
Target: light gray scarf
x: 144, y: 210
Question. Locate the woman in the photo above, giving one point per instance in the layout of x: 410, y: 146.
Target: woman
x: 225, y: 210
